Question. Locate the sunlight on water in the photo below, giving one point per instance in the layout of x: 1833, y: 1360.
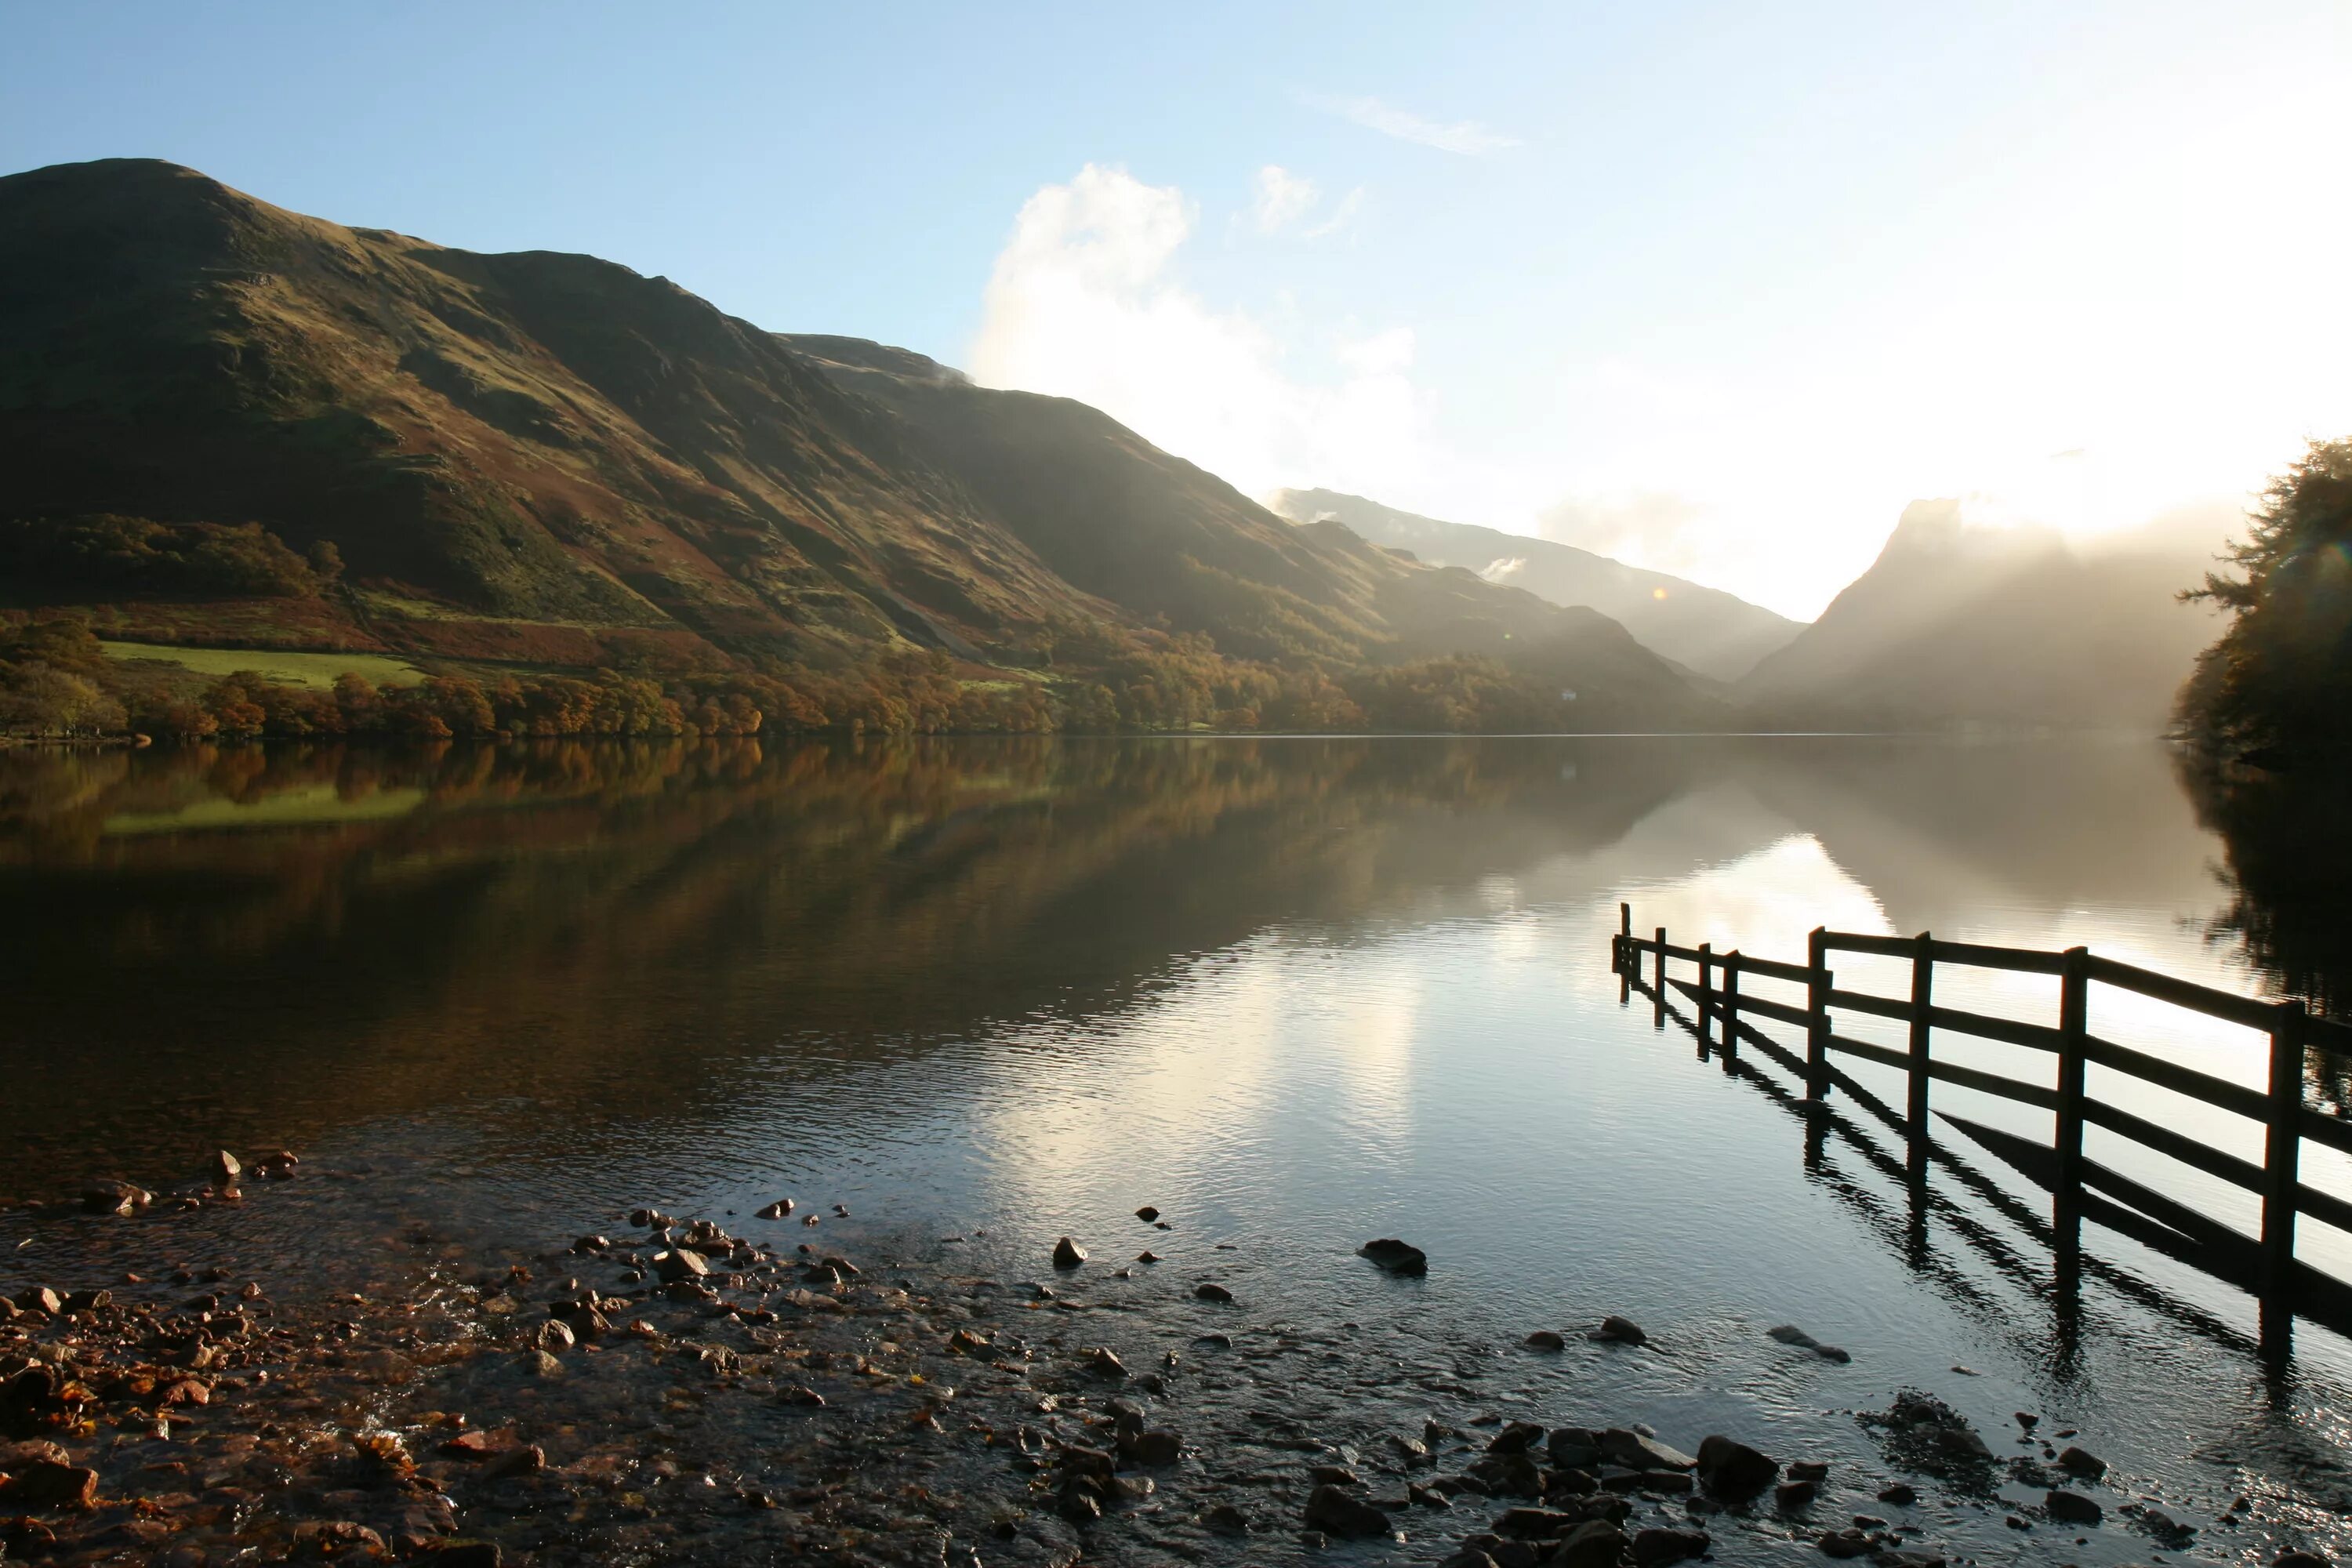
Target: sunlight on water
x: 1296, y: 993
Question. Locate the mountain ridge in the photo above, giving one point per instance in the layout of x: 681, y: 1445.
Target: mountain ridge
x: 1719, y: 635
x: 545, y: 460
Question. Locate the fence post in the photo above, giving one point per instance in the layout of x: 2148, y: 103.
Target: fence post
x: 1730, y: 1005
x: 1817, y: 1015
x: 2073, y: 1026
x: 1922, y: 997
x: 1625, y: 937
x: 2282, y: 1147
x: 1660, y: 998
x: 1706, y: 988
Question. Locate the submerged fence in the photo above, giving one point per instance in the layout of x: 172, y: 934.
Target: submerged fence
x: 2266, y: 1264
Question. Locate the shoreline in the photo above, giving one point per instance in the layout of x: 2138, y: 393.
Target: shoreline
x: 680, y: 1391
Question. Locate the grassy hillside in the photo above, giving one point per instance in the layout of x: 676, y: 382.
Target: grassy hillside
x: 229, y: 424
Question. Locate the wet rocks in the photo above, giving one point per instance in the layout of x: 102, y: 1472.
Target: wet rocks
x: 49, y: 1485
x: 1596, y: 1544
x: 225, y: 1170
x: 1851, y: 1541
x: 1154, y: 1446
x: 1731, y: 1469
x: 1339, y: 1513
x: 679, y: 1265
x: 2300, y: 1560
x: 1146, y: 1213
x: 1924, y: 1433
x: 115, y: 1198
x: 780, y: 1209
x: 1226, y: 1520
x: 1105, y: 1363
x: 1210, y: 1290
x: 2072, y: 1507
x: 1791, y: 1335
x: 1069, y: 1254
x: 1656, y: 1546
x: 1394, y: 1256
x: 2082, y: 1462
x: 1637, y: 1452
x: 1617, y: 1331
x: 1792, y: 1496
x: 1544, y: 1339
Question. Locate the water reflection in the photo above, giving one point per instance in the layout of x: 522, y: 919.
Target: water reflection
x: 1294, y: 990
x: 262, y: 943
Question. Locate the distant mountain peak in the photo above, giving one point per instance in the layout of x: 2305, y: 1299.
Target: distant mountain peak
x: 1717, y: 634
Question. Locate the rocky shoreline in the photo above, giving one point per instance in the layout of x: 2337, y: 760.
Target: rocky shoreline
x: 724, y: 1390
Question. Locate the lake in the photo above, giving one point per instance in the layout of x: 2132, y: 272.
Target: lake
x: 1296, y: 993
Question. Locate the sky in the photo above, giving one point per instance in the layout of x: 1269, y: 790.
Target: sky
x: 1713, y: 288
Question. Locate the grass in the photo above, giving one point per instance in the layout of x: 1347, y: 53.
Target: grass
x: 289, y: 669
x: 308, y: 806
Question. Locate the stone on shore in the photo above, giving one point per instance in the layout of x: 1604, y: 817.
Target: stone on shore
x: 226, y: 1169
x: 679, y: 1264
x: 1338, y: 1512
x: 1657, y: 1546
x: 1731, y: 1469
x: 115, y: 1197
x: 1069, y: 1254
x: 2072, y: 1508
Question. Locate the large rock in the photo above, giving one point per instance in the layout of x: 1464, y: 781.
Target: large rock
x: 1339, y: 1513
x: 679, y: 1264
x: 1617, y: 1331
x: 1069, y: 1254
x: 1636, y: 1452
x: 1655, y: 1547
x: 1396, y: 1256
x: 1594, y: 1544
x: 45, y: 1486
x: 1731, y: 1469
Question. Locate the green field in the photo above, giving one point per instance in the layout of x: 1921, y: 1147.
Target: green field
x: 289, y: 669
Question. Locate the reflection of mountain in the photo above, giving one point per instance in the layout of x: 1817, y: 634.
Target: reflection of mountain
x: 553, y: 919
x: 1998, y: 626
x: 1712, y: 632
x: 1944, y: 833
x: 542, y: 923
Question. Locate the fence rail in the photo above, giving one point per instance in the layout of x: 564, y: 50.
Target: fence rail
x: 2266, y: 1263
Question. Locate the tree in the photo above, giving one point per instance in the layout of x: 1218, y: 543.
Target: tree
x: 37, y: 699
x: 2279, y: 680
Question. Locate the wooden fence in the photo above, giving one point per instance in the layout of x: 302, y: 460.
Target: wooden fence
x: 2266, y: 1264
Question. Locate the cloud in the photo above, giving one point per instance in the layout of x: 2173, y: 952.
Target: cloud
x: 1283, y: 198
x: 1465, y: 137
x: 1664, y: 532
x: 1503, y: 568
x: 1085, y: 302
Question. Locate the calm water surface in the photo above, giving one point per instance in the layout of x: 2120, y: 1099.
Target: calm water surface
x: 1295, y: 992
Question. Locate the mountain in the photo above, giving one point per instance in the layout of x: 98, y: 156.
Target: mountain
x: 2001, y: 627
x: 548, y: 460
x: 1717, y: 635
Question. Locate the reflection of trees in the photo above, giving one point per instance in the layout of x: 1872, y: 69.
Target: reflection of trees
x: 2288, y: 840
x: 552, y: 918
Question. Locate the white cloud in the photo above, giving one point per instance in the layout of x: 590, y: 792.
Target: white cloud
x: 1465, y: 137
x: 1085, y: 302
x: 1282, y: 199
